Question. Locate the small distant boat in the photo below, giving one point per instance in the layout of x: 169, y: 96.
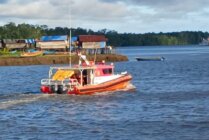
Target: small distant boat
x: 150, y: 58
x: 31, y: 54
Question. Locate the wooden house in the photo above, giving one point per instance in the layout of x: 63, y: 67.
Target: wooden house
x: 58, y: 43
x: 14, y: 44
x: 91, y: 44
x: 92, y: 41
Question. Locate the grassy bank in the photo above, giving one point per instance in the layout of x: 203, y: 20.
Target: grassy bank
x: 56, y: 59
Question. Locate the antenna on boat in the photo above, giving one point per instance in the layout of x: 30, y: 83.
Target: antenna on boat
x: 70, y: 46
x: 70, y: 32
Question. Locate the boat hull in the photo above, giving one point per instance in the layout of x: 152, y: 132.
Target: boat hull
x: 112, y: 85
x: 116, y: 84
x: 32, y: 54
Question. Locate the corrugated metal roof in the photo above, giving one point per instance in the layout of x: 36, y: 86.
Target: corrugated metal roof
x: 92, y: 38
x: 54, y: 38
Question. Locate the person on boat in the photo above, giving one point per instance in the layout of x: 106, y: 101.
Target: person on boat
x: 110, y: 49
x: 78, y: 77
x: 103, y: 62
x: 85, y: 77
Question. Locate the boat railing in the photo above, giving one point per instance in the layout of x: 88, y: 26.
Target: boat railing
x: 68, y: 82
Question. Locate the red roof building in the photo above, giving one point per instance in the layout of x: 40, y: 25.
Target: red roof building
x: 92, y: 38
x: 92, y: 41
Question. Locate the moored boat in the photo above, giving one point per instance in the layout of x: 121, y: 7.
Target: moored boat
x: 84, y: 78
x: 31, y: 54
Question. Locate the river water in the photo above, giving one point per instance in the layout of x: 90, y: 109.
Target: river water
x: 170, y: 101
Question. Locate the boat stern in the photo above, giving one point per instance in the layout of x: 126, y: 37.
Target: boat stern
x: 49, y: 86
x: 46, y: 89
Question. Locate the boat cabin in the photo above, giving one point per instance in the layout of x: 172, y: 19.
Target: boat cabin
x: 104, y: 70
x: 80, y: 75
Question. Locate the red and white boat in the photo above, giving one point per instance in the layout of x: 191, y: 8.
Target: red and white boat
x: 84, y: 78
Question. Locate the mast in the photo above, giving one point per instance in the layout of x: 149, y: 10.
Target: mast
x: 70, y: 46
x: 70, y: 32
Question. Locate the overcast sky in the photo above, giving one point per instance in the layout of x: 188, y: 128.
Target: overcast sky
x: 136, y: 16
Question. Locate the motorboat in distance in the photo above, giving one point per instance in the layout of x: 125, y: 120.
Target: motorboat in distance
x: 150, y: 58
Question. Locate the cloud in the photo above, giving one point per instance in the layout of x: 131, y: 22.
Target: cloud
x: 120, y: 15
x: 165, y: 4
x: 167, y: 7
x: 168, y: 14
x: 3, y: 1
x: 53, y: 9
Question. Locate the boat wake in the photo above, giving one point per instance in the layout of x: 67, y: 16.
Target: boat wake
x: 9, y: 102
x: 21, y: 99
x: 130, y: 87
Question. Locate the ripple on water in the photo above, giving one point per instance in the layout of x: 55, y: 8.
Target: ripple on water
x: 170, y: 102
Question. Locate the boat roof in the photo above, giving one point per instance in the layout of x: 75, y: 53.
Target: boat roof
x: 77, y: 67
x: 74, y: 68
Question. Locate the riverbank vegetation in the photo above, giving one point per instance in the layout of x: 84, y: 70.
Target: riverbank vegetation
x: 6, y: 53
x: 23, y: 31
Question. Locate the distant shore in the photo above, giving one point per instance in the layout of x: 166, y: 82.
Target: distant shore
x: 57, y: 59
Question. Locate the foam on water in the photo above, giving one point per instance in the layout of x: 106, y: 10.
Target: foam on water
x: 22, y: 99
x: 28, y: 98
x: 130, y: 87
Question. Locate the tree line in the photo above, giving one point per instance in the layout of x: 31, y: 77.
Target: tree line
x: 24, y: 31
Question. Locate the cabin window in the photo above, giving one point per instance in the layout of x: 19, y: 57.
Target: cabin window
x: 107, y: 71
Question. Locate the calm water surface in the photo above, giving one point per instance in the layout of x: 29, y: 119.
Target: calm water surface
x: 171, y: 101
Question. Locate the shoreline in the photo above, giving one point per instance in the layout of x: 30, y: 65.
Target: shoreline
x: 57, y: 59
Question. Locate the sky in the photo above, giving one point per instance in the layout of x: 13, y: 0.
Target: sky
x: 130, y: 16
